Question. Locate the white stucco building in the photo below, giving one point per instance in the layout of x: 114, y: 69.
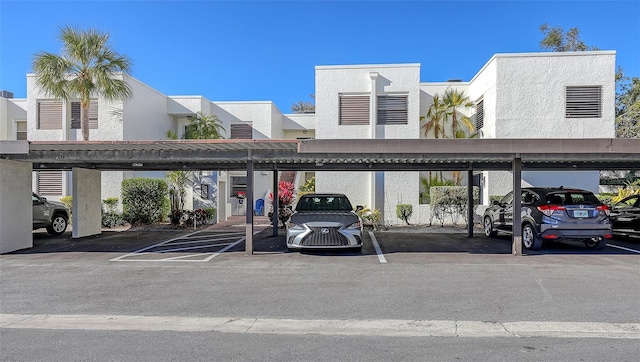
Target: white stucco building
x: 529, y: 95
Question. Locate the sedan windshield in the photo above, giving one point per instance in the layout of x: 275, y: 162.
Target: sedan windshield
x: 323, y: 203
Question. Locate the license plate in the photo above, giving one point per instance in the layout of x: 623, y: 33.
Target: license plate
x: 580, y: 213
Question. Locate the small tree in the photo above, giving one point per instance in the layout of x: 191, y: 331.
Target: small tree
x: 303, y: 106
x: 404, y: 212
x: 285, y: 198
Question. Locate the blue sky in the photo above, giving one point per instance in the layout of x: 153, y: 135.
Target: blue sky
x: 267, y: 50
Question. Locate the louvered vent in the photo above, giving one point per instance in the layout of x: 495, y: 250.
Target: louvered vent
x: 354, y: 110
x: 76, y: 115
x: 49, y: 115
x: 392, y: 109
x: 584, y: 102
x: 241, y: 131
x: 479, y: 114
x: 49, y: 182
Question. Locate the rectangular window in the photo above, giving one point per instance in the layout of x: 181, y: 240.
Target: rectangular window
x: 241, y: 131
x: 479, y: 114
x: 49, y: 182
x: 392, y: 109
x: 238, y: 185
x: 354, y: 110
x: 49, y: 115
x: 583, y: 102
x: 76, y: 119
x: 21, y: 130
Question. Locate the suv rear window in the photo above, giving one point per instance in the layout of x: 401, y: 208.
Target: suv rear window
x: 321, y: 203
x: 571, y: 198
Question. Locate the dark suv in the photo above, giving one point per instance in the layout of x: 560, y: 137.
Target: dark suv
x: 552, y: 214
x: 49, y: 214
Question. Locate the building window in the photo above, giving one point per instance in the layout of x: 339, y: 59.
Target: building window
x: 49, y: 182
x: 21, y: 130
x: 479, y: 114
x: 238, y: 185
x: 49, y: 115
x: 241, y: 131
x: 354, y: 110
x: 76, y: 115
x: 392, y: 109
x: 583, y: 102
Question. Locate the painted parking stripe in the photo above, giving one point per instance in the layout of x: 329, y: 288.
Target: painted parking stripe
x: 151, y: 247
x: 203, y: 238
x: 381, y: 257
x: 623, y: 248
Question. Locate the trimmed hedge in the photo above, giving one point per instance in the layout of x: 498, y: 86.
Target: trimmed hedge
x: 144, y: 200
x: 451, y: 201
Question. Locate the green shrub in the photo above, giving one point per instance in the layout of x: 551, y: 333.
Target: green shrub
x: 404, y: 212
x: 67, y: 201
x: 144, y: 200
x: 451, y: 201
x: 110, y: 215
x: 370, y: 217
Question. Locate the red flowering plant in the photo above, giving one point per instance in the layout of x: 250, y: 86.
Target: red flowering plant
x: 241, y: 194
x: 285, y: 198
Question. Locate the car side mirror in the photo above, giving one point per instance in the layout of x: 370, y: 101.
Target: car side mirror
x: 359, y: 208
x: 496, y: 202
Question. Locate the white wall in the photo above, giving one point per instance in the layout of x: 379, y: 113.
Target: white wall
x: 11, y: 110
x: 531, y: 94
x: 145, y: 114
x: 331, y: 81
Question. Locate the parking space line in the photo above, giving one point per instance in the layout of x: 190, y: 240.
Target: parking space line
x: 224, y: 249
x: 381, y: 257
x: 138, y: 252
x: 224, y: 240
x: 623, y: 248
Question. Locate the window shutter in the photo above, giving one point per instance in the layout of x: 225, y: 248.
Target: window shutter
x: 93, y: 114
x: 49, y: 182
x: 480, y: 114
x: 76, y: 115
x: 241, y: 131
x: 392, y: 110
x: 584, y: 102
x: 50, y: 115
x: 354, y: 110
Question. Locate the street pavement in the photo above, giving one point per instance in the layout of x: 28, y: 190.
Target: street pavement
x: 166, y: 295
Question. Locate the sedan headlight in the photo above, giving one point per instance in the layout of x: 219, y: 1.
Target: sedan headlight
x: 292, y: 225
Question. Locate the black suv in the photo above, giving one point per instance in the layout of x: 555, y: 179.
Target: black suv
x: 49, y: 214
x: 552, y: 214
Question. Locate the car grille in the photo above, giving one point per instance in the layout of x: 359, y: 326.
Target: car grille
x: 331, y: 237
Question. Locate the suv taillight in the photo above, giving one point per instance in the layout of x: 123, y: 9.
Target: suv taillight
x: 603, y: 208
x: 549, y: 209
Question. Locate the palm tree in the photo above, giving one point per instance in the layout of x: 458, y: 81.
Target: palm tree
x: 454, y: 101
x: 436, y: 116
x: 86, y: 67
x: 203, y: 127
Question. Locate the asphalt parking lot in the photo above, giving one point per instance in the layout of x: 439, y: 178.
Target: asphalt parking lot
x: 206, y: 243
x: 196, y: 295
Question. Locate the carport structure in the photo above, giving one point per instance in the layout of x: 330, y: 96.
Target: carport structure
x: 86, y: 159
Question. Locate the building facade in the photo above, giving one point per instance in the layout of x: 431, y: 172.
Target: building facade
x: 528, y: 95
